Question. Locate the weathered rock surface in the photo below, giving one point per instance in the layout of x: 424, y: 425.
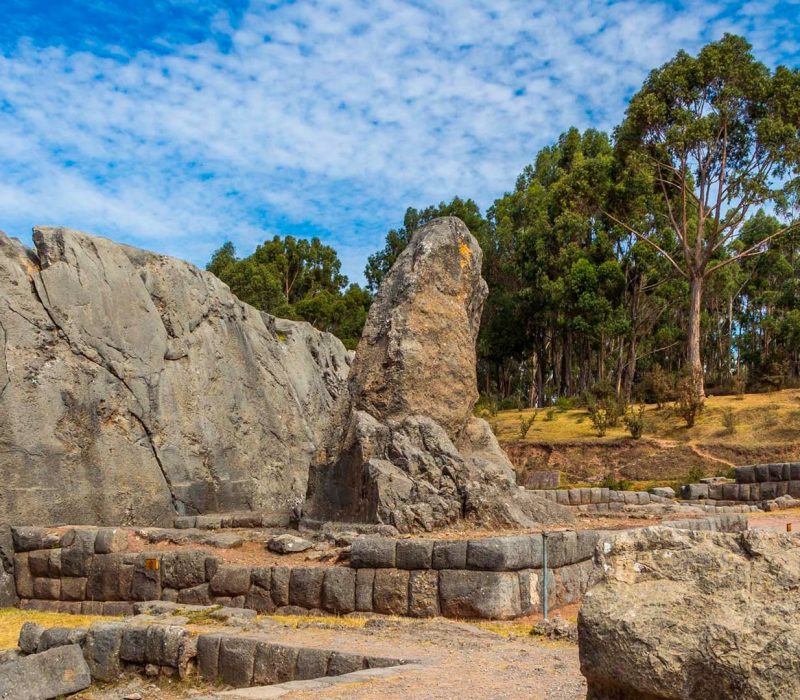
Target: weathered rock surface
x: 405, y: 449
x: 681, y: 614
x: 51, y: 674
x: 134, y: 386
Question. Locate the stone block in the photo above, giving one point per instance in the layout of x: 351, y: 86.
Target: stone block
x: 372, y: 553
x: 449, y: 554
x: 761, y: 472
x: 118, y: 608
x: 73, y: 589
x: 745, y: 475
x: 259, y: 599
x: 28, y: 539
x: 146, y: 583
x: 164, y: 645
x: 768, y: 491
x: 274, y: 663
x: 562, y: 548
x: 212, y: 564
x: 490, y: 595
x: 101, y: 650
x: 183, y: 569
x: 642, y: 498
x: 77, y: 557
x: 311, y: 663
x: 196, y: 595
x: 390, y: 591
x: 305, y: 587
x: 230, y: 580
x: 53, y: 673
x: 414, y: 554
x: 61, y: 636
x: 339, y: 590
x: 133, y: 647
x: 586, y: 496
x: 585, y: 542
x: 281, y: 576
x: 341, y: 663
x: 630, y: 498
x: 185, y: 522
x: 781, y: 488
x: 29, y: 635
x: 794, y: 489
x: 208, y: 656
x: 365, y: 579
x: 502, y: 553
x: 92, y: 607
x: 169, y: 595
x: 730, y: 492
x: 423, y: 593
x: 663, y: 491
x: 715, y: 491
x: 775, y: 472
x: 794, y: 471
x: 208, y: 522
x: 236, y: 661
x: 23, y: 580
x: 261, y: 576
x: 562, y: 497
x: 529, y: 591
x: 595, y: 495
x: 110, y: 577
x: 110, y: 540
x: 693, y: 492
x: 39, y: 562
x: 574, y: 497
x: 47, y: 588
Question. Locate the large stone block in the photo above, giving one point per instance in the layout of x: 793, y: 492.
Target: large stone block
x: 260, y: 600
x: 110, y: 577
x: 23, y: 580
x: 47, y: 588
x: 208, y: 656
x: 274, y: 663
x: 390, y: 591
x: 365, y: 579
x: 236, y: 661
x: 339, y: 590
x: 305, y: 587
x: 77, y: 557
x: 745, y: 475
x: 102, y: 647
x: 311, y: 663
x: 146, y: 583
x: 503, y: 553
x: 110, y: 540
x: 196, y: 595
x: 449, y: 554
x: 562, y: 548
x: 29, y: 636
x: 230, y: 581
x: 61, y: 636
x: 414, y: 554
x: 372, y: 553
x: 281, y: 576
x: 341, y: 663
x: 423, y: 599
x: 183, y: 569
x: 488, y: 595
x: 53, y: 673
x: 28, y: 539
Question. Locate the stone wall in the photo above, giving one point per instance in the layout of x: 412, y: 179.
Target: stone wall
x: 87, y: 570
x: 759, y: 482
x: 598, y: 496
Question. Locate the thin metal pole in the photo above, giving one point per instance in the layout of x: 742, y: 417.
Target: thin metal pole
x: 544, y: 574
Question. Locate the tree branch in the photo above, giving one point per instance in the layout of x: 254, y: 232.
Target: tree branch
x: 644, y: 238
x: 753, y: 250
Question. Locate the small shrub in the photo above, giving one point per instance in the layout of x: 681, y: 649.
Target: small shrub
x: 486, y: 407
x: 658, y: 384
x: 689, y: 403
x: 634, y: 422
x: 511, y: 403
x: 550, y: 415
x: 526, y: 423
x: 609, y: 482
x: 740, y: 383
x: 564, y: 404
x: 729, y: 420
x: 695, y: 474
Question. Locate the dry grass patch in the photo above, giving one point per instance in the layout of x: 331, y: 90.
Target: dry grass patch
x: 12, y: 619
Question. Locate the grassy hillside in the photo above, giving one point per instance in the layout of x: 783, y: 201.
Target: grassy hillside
x: 767, y: 429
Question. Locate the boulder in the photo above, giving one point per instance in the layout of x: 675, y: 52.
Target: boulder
x: 287, y: 544
x: 53, y: 673
x: 108, y: 351
x: 680, y: 614
x: 404, y: 448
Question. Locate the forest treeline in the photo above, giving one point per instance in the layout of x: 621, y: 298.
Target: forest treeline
x: 619, y: 263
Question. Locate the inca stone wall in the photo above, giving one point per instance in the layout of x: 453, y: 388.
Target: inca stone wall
x: 134, y: 386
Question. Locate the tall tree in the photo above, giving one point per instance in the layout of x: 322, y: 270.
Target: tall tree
x: 719, y: 135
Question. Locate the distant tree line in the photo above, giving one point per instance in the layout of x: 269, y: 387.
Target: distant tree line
x: 622, y: 264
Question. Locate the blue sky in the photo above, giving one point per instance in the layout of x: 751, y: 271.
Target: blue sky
x: 176, y: 125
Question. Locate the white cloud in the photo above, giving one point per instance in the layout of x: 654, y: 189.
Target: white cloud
x: 326, y: 116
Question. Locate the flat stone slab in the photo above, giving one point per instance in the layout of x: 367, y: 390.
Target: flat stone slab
x: 56, y: 672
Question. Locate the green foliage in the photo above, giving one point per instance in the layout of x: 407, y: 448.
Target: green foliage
x: 550, y: 415
x: 297, y: 279
x: 563, y: 404
x: 658, y: 386
x: 525, y: 423
x: 729, y: 420
x: 486, y: 406
x: 634, y: 422
x: 689, y: 403
x: 610, y: 482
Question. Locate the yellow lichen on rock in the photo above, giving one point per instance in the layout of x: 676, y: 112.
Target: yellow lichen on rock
x: 466, y: 254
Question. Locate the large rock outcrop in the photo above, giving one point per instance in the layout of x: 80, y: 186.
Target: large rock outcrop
x: 134, y: 386
x: 681, y: 614
x: 405, y: 449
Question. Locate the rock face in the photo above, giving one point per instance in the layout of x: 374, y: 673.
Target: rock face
x: 405, y: 449
x: 682, y: 614
x: 134, y: 386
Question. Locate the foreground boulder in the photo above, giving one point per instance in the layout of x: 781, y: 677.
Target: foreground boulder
x: 51, y: 674
x: 405, y: 449
x: 134, y: 386
x: 682, y: 614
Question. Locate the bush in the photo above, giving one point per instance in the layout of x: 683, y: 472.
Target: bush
x: 511, y: 403
x: 730, y: 420
x: 604, y: 407
x: 658, y: 385
x: 689, y: 403
x: 609, y: 482
x: 550, y: 415
x: 562, y: 404
x: 526, y: 423
x: 634, y: 422
x: 486, y: 407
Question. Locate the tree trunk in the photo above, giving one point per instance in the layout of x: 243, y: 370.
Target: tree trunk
x: 695, y: 359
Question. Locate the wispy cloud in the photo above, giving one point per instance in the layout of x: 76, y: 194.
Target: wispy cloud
x: 324, y: 117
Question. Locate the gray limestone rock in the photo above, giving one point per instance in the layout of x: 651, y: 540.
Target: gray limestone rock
x: 653, y: 626
x: 53, y: 673
x: 287, y: 544
x: 405, y: 449
x: 107, y: 351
